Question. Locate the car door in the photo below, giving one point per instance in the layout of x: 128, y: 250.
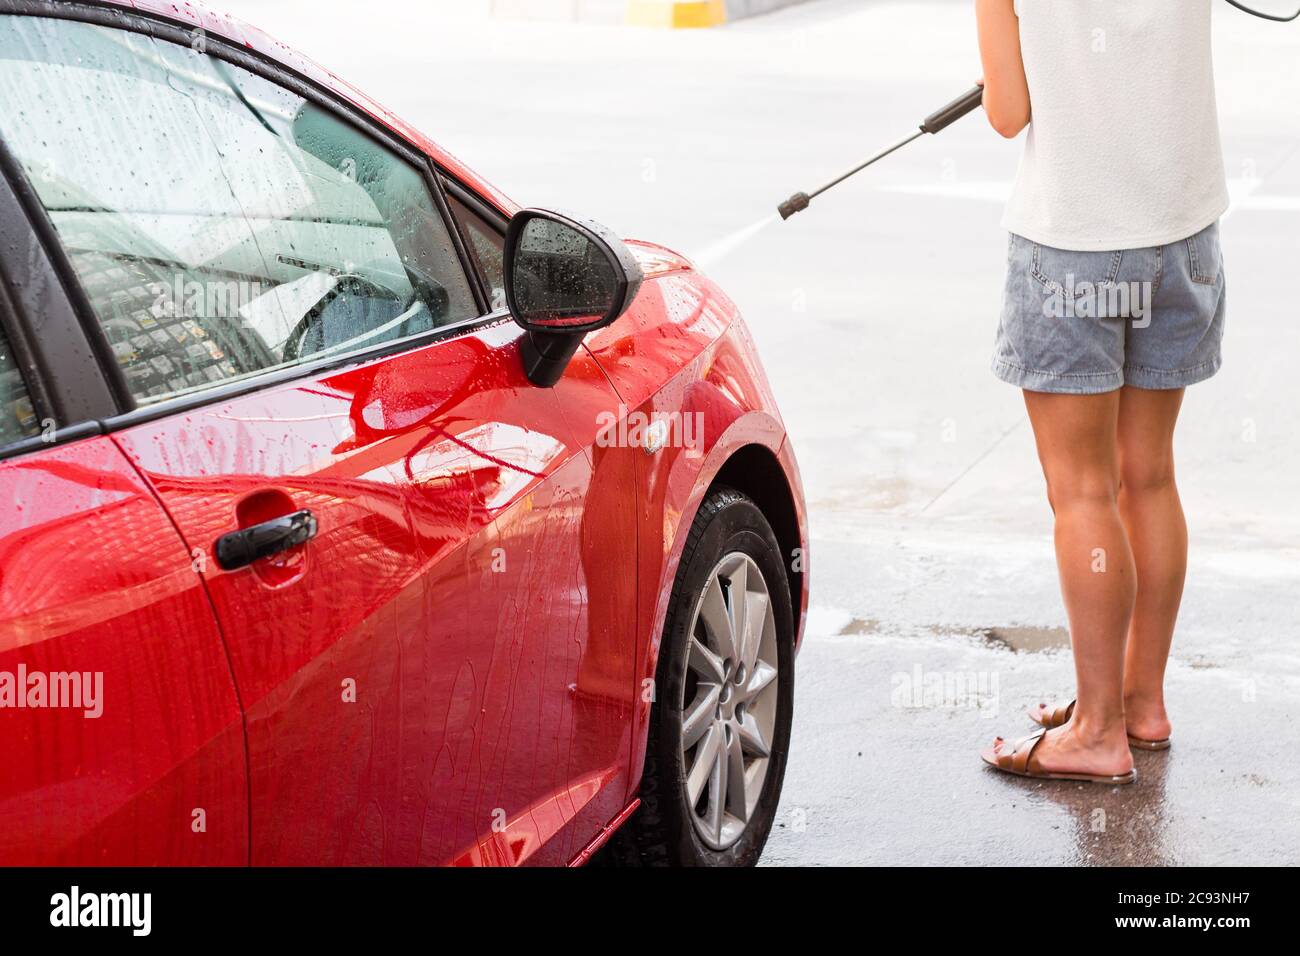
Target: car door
x: 377, y: 500
x: 552, y: 579
x: 120, y: 732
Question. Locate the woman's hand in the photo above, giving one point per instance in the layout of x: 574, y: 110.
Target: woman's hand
x: 1006, y: 91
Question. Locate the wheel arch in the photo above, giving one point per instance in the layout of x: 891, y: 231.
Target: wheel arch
x: 766, y: 471
x: 756, y: 472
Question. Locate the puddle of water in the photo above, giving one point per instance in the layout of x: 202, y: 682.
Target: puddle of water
x: 1028, y: 640
x: 1022, y: 640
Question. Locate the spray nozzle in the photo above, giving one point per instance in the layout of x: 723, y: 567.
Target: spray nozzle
x: 796, y: 203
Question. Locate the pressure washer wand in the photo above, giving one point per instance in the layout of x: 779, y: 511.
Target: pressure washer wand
x: 933, y: 124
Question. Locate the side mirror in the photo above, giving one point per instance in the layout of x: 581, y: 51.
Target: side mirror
x: 565, y: 277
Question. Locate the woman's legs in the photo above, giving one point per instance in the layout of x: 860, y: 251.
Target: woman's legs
x: 1157, y: 533
x: 1078, y: 447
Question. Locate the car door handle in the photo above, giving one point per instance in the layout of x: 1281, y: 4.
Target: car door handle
x: 238, y: 549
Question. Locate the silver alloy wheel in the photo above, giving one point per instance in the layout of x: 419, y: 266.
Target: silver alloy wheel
x: 729, y: 700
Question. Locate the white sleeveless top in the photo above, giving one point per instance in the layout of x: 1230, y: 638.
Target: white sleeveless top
x: 1123, y: 150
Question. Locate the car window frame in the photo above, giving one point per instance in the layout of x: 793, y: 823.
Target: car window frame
x: 487, y: 212
x: 33, y: 383
x: 127, y: 410
x: 66, y: 385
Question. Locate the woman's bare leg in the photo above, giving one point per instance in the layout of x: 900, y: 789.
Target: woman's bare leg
x: 1157, y: 531
x: 1077, y: 445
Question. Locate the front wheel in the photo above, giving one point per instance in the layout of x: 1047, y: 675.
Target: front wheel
x: 720, y: 725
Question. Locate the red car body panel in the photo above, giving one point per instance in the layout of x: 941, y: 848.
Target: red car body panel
x: 434, y: 662
x: 95, y: 581
x: 455, y: 669
x: 683, y: 351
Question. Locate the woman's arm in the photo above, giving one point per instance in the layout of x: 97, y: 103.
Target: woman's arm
x: 1006, y: 92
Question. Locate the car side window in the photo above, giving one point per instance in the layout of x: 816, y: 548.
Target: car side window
x: 17, y: 416
x: 488, y: 246
x: 220, y: 224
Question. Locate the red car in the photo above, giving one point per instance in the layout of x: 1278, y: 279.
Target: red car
x: 352, y: 514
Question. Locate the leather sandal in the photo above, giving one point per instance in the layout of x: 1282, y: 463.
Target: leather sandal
x: 1056, y: 716
x: 1018, y: 760
x: 1049, y: 718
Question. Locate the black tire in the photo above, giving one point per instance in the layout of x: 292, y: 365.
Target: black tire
x: 662, y: 831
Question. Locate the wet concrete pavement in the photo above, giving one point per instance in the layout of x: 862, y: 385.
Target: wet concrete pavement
x: 890, y: 715
x: 936, y: 617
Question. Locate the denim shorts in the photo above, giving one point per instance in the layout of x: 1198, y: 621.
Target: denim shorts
x: 1082, y: 323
